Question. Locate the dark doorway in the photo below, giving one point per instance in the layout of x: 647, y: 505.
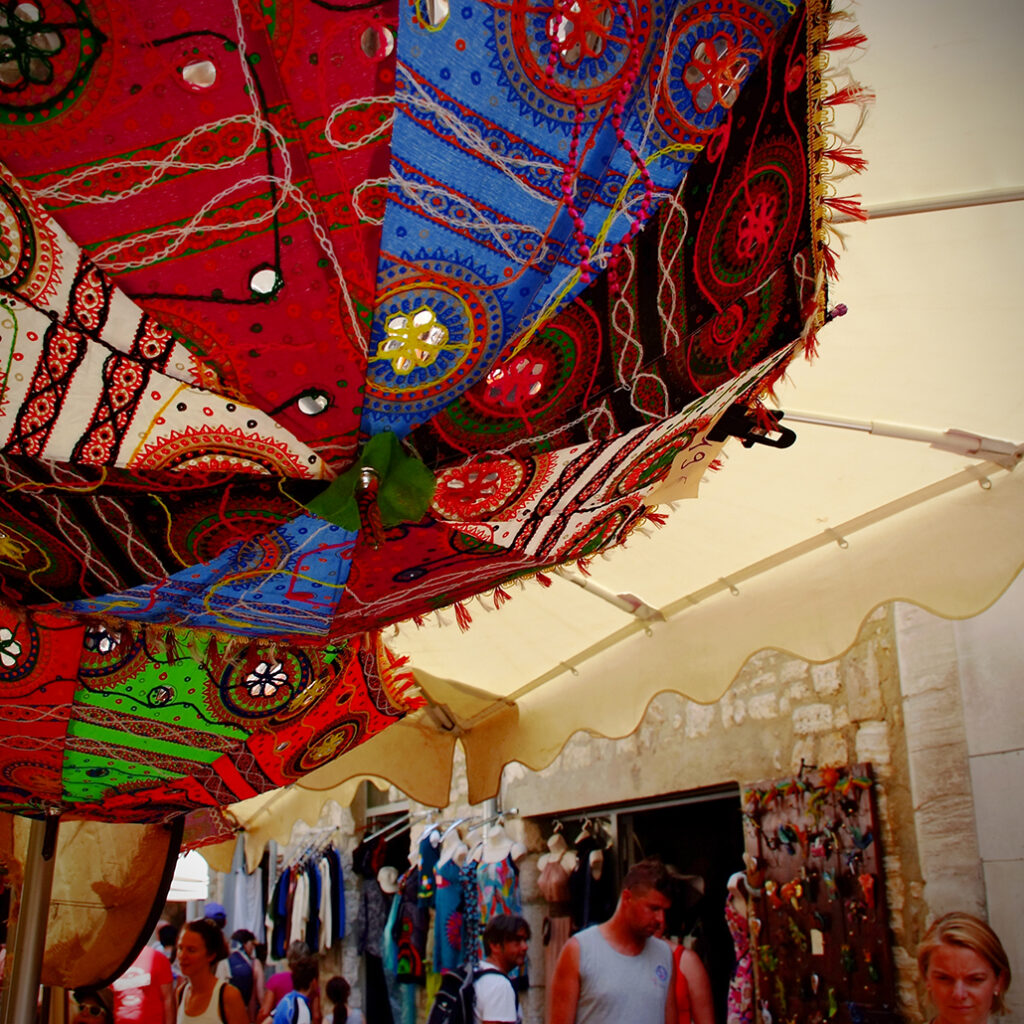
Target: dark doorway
x: 700, y: 835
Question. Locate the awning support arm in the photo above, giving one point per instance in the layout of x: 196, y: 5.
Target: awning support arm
x: 958, y: 442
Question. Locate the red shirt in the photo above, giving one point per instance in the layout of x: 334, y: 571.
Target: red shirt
x: 138, y: 998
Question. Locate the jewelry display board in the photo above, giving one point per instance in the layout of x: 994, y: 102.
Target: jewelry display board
x: 818, y: 919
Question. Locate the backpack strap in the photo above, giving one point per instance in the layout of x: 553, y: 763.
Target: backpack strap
x: 479, y: 972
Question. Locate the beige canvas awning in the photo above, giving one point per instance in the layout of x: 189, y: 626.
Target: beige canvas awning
x: 789, y: 549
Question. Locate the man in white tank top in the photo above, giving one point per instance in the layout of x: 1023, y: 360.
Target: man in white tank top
x: 619, y: 971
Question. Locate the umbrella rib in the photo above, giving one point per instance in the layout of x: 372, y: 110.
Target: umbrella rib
x: 972, y: 474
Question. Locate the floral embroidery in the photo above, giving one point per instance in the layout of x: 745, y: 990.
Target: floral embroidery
x: 266, y: 679
x: 580, y: 30
x: 100, y: 640
x: 26, y: 46
x: 9, y: 648
x: 716, y: 71
x: 414, y: 340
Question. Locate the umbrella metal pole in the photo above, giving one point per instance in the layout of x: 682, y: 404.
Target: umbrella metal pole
x: 25, y: 964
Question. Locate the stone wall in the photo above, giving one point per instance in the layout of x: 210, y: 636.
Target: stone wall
x: 917, y: 697
x: 779, y: 713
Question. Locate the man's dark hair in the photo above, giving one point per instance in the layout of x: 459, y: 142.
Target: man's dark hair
x: 167, y: 934
x: 648, y: 874
x: 243, y: 935
x: 504, y: 928
x: 304, y: 972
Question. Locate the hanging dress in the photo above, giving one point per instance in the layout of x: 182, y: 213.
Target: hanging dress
x: 498, y: 884
x: 412, y: 930
x: 471, y: 930
x: 553, y: 884
x: 448, y: 917
x: 741, y: 986
x: 593, y: 899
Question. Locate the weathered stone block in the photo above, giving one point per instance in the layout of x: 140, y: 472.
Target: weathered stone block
x: 803, y: 753
x: 947, y: 826
x: 826, y: 678
x: 699, y: 719
x: 798, y: 690
x: 812, y: 718
x: 725, y: 706
x: 872, y: 743
x: 764, y: 705
x: 864, y: 693
x: 934, y: 718
x: 941, y: 773
x: 793, y: 669
x: 833, y: 750
x: 763, y: 681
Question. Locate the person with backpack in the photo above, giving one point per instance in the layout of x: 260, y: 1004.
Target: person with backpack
x: 483, y: 994
x: 295, y: 1008
x: 506, y: 939
x: 246, y: 972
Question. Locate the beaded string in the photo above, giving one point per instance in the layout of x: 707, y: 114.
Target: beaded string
x: 572, y: 167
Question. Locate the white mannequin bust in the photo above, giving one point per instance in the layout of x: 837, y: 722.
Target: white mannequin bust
x: 387, y: 879
x: 737, y: 886
x: 558, y: 850
x: 453, y: 848
x: 498, y: 845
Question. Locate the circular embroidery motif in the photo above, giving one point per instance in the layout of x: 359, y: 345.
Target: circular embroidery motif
x: 437, y: 330
x: 591, y: 45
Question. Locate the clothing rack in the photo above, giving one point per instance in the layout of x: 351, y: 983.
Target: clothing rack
x: 454, y: 825
x: 395, y: 828
x: 500, y: 816
x: 316, y: 841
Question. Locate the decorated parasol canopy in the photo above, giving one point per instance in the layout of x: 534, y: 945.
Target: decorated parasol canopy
x: 322, y: 317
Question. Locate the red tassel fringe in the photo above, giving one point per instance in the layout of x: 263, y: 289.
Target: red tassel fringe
x: 849, y: 94
x: 811, y: 346
x: 715, y: 465
x: 828, y: 255
x: 462, y: 616
x: 846, y: 41
x: 852, y: 158
x: 766, y: 419
x: 544, y: 581
x: 658, y: 518
x: 850, y: 205
x: 768, y: 384
x: 583, y: 564
x: 501, y: 596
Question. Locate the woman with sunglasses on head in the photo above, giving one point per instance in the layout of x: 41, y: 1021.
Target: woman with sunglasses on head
x: 965, y: 969
x: 205, y: 998
x: 93, y: 1006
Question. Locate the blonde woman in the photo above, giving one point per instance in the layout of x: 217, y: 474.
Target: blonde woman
x: 965, y: 969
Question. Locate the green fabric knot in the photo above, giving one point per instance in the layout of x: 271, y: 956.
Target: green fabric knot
x: 404, y: 494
